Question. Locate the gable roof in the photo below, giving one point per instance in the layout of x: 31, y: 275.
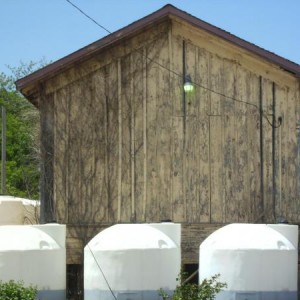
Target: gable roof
x: 130, y: 30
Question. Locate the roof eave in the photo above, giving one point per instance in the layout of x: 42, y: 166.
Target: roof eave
x: 88, y: 51
x: 160, y: 15
x: 284, y: 63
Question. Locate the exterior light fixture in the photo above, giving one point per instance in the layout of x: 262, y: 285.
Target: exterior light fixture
x: 188, y: 85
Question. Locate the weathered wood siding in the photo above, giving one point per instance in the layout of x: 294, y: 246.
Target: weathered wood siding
x: 130, y: 147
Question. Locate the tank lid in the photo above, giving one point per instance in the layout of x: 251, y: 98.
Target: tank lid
x: 131, y: 236
x: 25, y: 237
x: 247, y: 236
x: 24, y: 201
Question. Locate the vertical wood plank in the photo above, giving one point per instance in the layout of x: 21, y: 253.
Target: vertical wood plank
x: 254, y: 163
x: 280, y: 96
x: 217, y: 205
x: 120, y: 148
x: 100, y: 200
x: 85, y: 124
x: 126, y: 139
x: 229, y: 140
x: 152, y: 206
x: 267, y: 150
x: 284, y: 153
x: 145, y: 131
x: 283, y: 148
x: 178, y: 200
x: 74, y: 157
x: 216, y: 141
x: 204, y: 156
x: 132, y: 139
x: 296, y: 216
x: 48, y: 212
x: 215, y: 74
x: 61, y: 153
x: 171, y: 80
x: 163, y: 132
x: 112, y: 138
x: 292, y: 208
x: 241, y: 179
x: 191, y: 155
x: 138, y: 115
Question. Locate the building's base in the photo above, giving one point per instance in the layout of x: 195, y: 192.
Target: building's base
x: 234, y: 295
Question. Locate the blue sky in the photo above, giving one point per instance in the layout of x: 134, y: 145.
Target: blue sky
x: 34, y: 29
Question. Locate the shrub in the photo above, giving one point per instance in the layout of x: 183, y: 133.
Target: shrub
x: 12, y: 290
x: 207, y: 289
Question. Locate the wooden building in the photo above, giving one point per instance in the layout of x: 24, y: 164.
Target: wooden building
x: 122, y: 142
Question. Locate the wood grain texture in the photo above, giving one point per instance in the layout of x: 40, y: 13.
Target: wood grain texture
x: 202, y: 96
x: 192, y: 237
x: 74, y: 155
x: 292, y: 204
x: 267, y: 149
x: 48, y: 210
x: 153, y: 84
x: 126, y: 145
x: 163, y: 134
x: 138, y: 154
x: 255, y: 208
x: 177, y: 181
x: 100, y: 198
x: 112, y: 138
x: 60, y: 186
x: 192, y: 139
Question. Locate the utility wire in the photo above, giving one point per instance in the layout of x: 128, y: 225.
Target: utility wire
x: 89, y: 17
x: 110, y: 289
x: 272, y: 124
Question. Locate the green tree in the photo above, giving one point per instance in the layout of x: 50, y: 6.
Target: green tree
x: 22, y: 135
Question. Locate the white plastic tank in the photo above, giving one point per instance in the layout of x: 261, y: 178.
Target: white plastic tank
x: 35, y: 255
x: 18, y: 211
x: 256, y: 261
x: 132, y: 261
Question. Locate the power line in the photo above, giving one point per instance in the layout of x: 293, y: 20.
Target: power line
x: 98, y: 265
x: 89, y: 17
x: 272, y: 124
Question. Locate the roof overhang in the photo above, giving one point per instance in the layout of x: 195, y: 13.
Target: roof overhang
x: 26, y: 85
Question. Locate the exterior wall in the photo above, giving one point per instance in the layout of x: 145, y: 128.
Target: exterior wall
x: 127, y: 146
